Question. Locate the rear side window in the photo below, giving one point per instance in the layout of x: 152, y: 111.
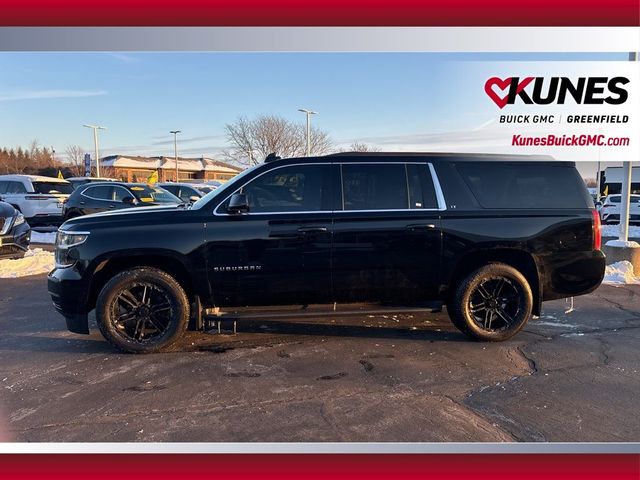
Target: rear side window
x: 102, y: 192
x: 3, y: 186
x: 16, y: 187
x: 422, y: 193
x: 374, y: 186
x: 511, y: 185
x: 46, y: 188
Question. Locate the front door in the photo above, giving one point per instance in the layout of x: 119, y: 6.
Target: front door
x: 279, y: 252
x: 387, y: 238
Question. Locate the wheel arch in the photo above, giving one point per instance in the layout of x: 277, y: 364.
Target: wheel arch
x: 519, y: 259
x: 168, y: 262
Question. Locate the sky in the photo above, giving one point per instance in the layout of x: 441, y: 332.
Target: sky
x: 386, y: 99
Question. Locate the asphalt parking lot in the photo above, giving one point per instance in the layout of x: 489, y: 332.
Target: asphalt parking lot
x: 567, y: 377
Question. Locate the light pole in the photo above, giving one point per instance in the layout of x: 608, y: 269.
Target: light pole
x: 175, y: 148
x: 95, y: 143
x: 308, y: 113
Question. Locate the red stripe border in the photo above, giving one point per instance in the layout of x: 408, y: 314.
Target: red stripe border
x: 319, y: 13
x: 332, y: 467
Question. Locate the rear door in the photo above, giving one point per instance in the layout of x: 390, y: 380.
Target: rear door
x: 278, y: 253
x: 387, y: 244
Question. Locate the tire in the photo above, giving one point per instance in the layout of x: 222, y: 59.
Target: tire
x: 142, y: 310
x: 491, y: 304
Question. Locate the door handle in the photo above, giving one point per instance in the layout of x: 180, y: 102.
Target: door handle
x: 420, y: 227
x: 112, y: 206
x: 305, y: 230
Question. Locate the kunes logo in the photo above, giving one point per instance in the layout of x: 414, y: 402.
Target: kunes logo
x: 543, y: 91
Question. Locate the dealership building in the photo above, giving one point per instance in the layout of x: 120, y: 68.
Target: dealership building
x: 138, y: 169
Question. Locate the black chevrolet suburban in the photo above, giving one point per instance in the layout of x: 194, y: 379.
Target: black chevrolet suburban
x: 488, y: 236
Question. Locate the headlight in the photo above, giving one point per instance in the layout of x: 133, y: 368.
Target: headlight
x: 70, y: 239
x: 18, y: 220
x: 65, y: 255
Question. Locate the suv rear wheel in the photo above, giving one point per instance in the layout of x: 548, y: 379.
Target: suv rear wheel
x: 493, y: 303
x: 142, y: 310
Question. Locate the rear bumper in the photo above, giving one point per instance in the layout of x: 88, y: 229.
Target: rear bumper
x: 566, y: 274
x: 69, y: 294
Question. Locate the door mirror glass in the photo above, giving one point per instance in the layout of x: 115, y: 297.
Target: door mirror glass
x: 238, y: 203
x: 129, y: 200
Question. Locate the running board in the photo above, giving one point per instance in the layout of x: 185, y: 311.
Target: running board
x: 314, y: 311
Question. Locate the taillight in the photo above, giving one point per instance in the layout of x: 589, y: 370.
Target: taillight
x: 597, y: 230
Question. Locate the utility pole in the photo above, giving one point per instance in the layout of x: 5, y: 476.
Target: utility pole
x: 95, y: 144
x: 308, y: 113
x: 175, y: 148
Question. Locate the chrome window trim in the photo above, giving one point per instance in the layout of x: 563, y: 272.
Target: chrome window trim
x: 434, y: 177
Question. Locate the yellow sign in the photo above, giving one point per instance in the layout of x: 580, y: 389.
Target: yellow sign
x: 60, y: 175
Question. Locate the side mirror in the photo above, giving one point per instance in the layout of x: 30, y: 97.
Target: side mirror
x: 129, y: 200
x: 238, y: 203
x: 194, y: 198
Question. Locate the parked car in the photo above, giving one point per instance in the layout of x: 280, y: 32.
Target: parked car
x: 206, y: 186
x: 100, y: 197
x: 78, y: 181
x: 184, y: 191
x: 491, y: 237
x: 610, y: 209
x: 38, y: 198
x: 14, y: 232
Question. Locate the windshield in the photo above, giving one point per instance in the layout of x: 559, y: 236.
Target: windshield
x: 228, y: 187
x: 148, y: 194
x: 52, y: 187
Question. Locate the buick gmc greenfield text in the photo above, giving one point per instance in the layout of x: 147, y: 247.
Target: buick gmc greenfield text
x: 489, y: 236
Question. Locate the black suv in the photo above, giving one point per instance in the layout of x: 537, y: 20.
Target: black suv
x: 489, y: 236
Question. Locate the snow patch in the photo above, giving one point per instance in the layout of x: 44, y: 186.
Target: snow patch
x: 614, y: 231
x: 620, y: 273
x: 622, y: 243
x: 43, y: 237
x: 35, y: 262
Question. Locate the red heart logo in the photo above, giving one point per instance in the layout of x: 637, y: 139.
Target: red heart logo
x: 503, y: 85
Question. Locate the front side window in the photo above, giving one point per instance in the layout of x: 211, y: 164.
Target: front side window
x: 374, y: 187
x: 298, y: 188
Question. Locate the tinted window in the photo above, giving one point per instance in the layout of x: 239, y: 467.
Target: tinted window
x: 299, y: 188
x: 509, y: 185
x: 3, y: 186
x: 374, y: 187
x: 52, y: 187
x: 422, y: 193
x: 100, y: 192
x: 16, y: 187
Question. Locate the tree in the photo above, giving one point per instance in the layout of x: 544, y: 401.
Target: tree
x: 75, y: 158
x: 251, y: 140
x: 361, y: 147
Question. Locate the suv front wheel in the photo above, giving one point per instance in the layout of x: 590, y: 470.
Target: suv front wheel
x: 142, y: 310
x: 493, y: 303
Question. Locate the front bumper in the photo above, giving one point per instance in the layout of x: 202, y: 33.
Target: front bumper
x: 15, y: 243
x: 69, y: 293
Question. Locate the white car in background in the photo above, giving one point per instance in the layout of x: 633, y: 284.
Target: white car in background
x: 610, y: 209
x: 38, y: 198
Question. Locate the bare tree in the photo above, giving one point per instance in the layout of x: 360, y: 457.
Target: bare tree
x: 75, y: 158
x: 361, y: 147
x: 251, y: 140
